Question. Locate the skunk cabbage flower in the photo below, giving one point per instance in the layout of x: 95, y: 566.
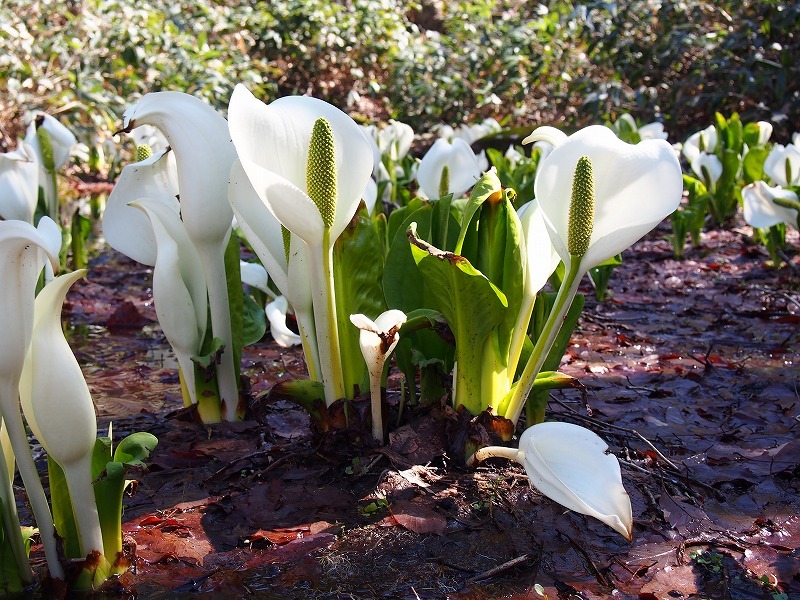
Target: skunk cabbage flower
x: 782, y: 165
x: 764, y: 132
x: 59, y: 409
x: 179, y: 287
x: 700, y: 141
x: 635, y: 188
x: 570, y: 465
x: 52, y: 144
x: 708, y: 167
x: 541, y: 257
x: 199, y: 137
x: 276, y: 314
x: 273, y: 143
x: 448, y: 169
x: 378, y: 339
x: 395, y: 139
x: 25, y: 250
x: 761, y: 209
x: 308, y: 163
x: 652, y: 131
x: 19, y: 184
x: 126, y: 228
x: 150, y: 136
x: 255, y: 275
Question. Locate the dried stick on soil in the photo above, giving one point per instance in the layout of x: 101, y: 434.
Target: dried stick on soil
x: 500, y: 568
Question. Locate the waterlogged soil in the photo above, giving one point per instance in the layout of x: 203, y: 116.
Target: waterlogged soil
x: 690, y: 370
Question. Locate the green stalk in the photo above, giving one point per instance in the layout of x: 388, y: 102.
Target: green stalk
x: 11, y: 523
x: 494, y: 374
x: 321, y: 259
x: 310, y: 351
x: 213, y: 257
x: 467, y: 386
x: 566, y: 293
x: 9, y: 406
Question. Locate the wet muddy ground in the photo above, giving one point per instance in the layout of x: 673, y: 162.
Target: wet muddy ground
x: 692, y: 378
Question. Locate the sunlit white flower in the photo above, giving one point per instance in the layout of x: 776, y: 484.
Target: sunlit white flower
x: 19, y: 184
x: 276, y: 315
x: 708, y: 167
x: 761, y: 210
x: 782, y: 165
x: 701, y: 141
x: 378, y: 339
x: 457, y: 160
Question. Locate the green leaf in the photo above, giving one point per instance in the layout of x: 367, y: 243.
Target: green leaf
x: 472, y: 306
x: 753, y: 164
x: 81, y: 228
x: 135, y: 449
x: 61, y: 505
x: 254, y: 321
x: 358, y: 269
x: 233, y: 277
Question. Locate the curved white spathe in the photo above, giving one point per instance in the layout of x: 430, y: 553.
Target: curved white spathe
x: 126, y: 228
x: 179, y: 287
x: 378, y: 338
x: 276, y: 315
x: 255, y: 275
x: 25, y: 250
x: 760, y: 209
x: 700, y: 141
x: 570, y: 465
x: 276, y: 137
x: 541, y: 257
x: 463, y: 168
x: 199, y: 137
x: 636, y: 186
x: 19, y: 187
x: 53, y: 393
x: 782, y: 165
x: 708, y: 167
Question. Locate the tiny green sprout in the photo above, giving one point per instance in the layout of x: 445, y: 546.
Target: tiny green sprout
x: 143, y: 152
x: 321, y: 171
x: 581, y: 208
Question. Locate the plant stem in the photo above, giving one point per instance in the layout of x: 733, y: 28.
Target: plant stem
x: 321, y: 259
x: 493, y: 452
x: 11, y: 522
x: 566, y: 293
x: 9, y: 405
x: 375, y: 393
x: 78, y: 476
x: 213, y: 257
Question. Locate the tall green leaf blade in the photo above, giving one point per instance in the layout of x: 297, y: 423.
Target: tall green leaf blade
x: 472, y: 306
x: 358, y: 269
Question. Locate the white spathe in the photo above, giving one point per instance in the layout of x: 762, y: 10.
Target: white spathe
x: 570, y: 465
x: 19, y: 184
x: 708, y: 167
x: 463, y: 168
x: 760, y: 209
x: 53, y: 393
x: 374, y: 336
x: 782, y: 165
x: 273, y: 141
x: 700, y: 141
x: 636, y: 186
x: 276, y: 315
x: 126, y: 228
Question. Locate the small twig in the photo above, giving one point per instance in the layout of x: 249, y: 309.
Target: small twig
x: 500, y: 568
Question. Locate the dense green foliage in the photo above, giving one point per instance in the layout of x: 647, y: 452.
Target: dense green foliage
x: 552, y: 62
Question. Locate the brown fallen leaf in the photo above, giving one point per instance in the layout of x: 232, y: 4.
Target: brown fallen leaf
x: 418, y: 517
